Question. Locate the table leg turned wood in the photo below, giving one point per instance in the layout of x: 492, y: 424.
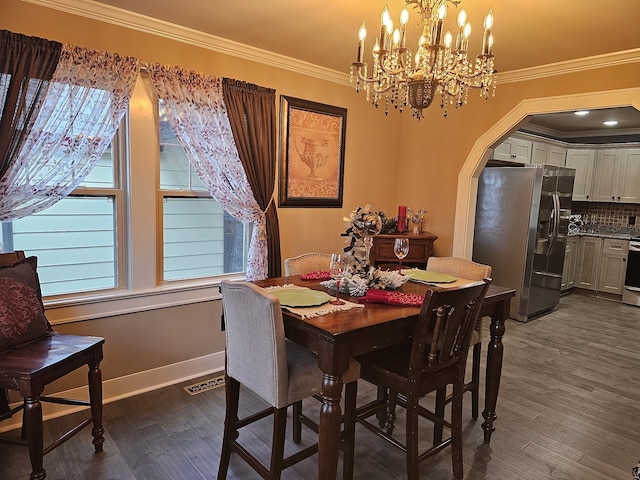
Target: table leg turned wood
x: 494, y: 367
x: 329, y: 433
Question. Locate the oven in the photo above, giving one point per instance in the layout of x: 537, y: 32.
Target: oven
x: 631, y: 293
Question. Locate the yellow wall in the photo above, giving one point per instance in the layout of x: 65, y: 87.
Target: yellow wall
x: 390, y: 160
x: 435, y: 149
x: 371, y: 140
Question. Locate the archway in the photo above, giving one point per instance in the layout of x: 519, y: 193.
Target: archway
x: 477, y: 159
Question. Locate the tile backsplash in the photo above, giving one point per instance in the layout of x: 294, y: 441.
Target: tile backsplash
x: 608, y: 217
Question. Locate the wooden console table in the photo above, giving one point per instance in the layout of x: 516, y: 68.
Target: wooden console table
x: 420, y: 248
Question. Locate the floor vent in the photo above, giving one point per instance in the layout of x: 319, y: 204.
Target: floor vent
x: 200, y: 387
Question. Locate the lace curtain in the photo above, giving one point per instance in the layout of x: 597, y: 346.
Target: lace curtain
x: 198, y: 116
x: 81, y: 110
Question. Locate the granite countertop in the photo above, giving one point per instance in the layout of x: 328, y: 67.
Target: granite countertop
x: 604, y: 234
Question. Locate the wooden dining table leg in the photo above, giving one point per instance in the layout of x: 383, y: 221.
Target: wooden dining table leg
x: 494, y: 366
x: 333, y: 363
x: 329, y: 433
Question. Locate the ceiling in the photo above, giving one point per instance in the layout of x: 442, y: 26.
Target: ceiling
x: 324, y: 32
x: 589, y: 128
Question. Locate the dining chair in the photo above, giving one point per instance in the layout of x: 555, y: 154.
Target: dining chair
x: 282, y: 373
x: 463, y: 268
x: 31, y: 363
x: 436, y: 358
x: 306, y: 263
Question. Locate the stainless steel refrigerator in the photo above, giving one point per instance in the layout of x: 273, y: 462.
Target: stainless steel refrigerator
x: 522, y: 219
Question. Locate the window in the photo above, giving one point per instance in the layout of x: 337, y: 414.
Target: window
x: 136, y: 226
x: 75, y: 240
x: 198, y: 238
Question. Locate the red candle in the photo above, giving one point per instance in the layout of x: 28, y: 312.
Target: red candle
x: 402, y: 219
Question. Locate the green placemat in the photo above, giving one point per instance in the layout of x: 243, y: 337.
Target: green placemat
x: 425, y: 276
x: 301, y: 297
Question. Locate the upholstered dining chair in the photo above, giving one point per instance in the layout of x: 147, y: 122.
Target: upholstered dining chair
x: 306, y: 263
x: 463, y: 268
x: 277, y: 370
x: 436, y: 358
x: 32, y: 356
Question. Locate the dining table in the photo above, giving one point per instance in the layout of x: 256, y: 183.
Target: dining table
x: 338, y: 336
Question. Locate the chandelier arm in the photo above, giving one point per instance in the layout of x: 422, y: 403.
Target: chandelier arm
x: 400, y: 74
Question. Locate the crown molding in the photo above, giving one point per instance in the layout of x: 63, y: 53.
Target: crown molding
x: 145, y: 24
x: 160, y: 28
x: 571, y: 66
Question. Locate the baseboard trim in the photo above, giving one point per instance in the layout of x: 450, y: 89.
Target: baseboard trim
x: 129, y: 385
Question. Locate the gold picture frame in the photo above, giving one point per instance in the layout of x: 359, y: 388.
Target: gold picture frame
x: 312, y: 139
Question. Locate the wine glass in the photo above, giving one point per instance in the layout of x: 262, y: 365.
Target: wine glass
x: 337, y: 268
x: 401, y: 249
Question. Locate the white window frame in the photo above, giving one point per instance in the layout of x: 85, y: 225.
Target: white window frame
x: 139, y: 227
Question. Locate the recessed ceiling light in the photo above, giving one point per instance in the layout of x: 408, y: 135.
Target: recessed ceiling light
x: 582, y: 113
x: 610, y: 123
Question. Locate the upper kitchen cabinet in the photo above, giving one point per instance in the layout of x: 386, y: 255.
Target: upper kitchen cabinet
x: 617, y: 176
x: 547, y: 153
x: 629, y: 179
x: 583, y: 161
x: 606, y: 172
x: 514, y: 149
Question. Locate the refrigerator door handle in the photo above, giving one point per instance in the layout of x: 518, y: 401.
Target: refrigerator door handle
x: 555, y: 216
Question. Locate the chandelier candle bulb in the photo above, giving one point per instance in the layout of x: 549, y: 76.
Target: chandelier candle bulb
x: 384, y: 18
x: 389, y: 35
x: 466, y: 33
x: 488, y: 38
x: 404, y: 19
x: 362, y: 35
x: 442, y: 13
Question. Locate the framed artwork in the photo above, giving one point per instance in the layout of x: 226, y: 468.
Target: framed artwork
x: 312, y: 137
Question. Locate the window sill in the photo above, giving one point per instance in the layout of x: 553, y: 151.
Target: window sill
x: 61, y: 310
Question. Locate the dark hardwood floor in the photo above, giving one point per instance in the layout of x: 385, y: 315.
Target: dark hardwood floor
x: 569, y: 408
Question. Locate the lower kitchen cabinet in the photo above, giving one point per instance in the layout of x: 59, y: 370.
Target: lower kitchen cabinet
x: 588, y: 262
x: 601, y: 264
x: 613, y: 265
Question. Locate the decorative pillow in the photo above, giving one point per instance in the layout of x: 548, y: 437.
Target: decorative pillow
x: 22, y: 317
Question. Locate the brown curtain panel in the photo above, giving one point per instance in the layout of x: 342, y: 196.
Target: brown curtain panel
x: 26, y: 66
x: 252, y: 114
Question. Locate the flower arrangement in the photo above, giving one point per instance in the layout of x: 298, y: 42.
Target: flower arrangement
x: 361, y: 225
x: 356, y: 283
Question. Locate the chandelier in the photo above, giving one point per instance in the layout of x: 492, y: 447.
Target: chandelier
x: 438, y: 67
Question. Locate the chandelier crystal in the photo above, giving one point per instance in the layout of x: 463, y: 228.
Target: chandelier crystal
x: 438, y: 67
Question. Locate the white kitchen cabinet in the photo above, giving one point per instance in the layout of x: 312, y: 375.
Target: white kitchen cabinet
x: 605, y: 175
x: 588, y: 263
x: 617, y: 176
x: 629, y: 176
x: 613, y: 265
x: 569, y: 267
x: 582, y: 160
x: 601, y: 264
x: 514, y: 149
x: 547, y: 153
